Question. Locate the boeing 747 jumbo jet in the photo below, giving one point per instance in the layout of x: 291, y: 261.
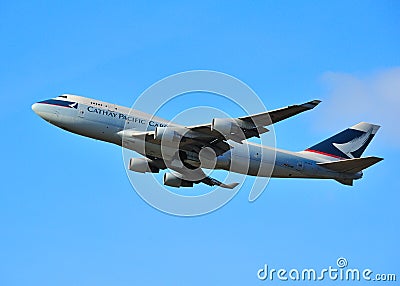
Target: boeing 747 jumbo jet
x: 186, y: 150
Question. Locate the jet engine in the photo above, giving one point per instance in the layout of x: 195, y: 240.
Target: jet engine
x: 173, y: 181
x: 228, y: 128
x: 142, y: 165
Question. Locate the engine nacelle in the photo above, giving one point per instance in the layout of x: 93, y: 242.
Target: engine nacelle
x: 142, y: 165
x: 174, y: 181
x: 167, y: 134
x: 228, y: 128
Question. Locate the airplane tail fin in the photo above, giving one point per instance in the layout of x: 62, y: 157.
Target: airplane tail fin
x: 349, y: 143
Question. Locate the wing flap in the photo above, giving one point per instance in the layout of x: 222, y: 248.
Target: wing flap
x: 187, y: 179
x: 214, y: 182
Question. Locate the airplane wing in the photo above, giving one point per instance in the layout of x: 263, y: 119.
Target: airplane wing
x: 249, y: 126
x: 265, y: 118
x: 192, y: 139
x: 274, y: 116
x: 216, y: 134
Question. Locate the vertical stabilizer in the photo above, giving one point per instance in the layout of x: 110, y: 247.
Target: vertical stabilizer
x: 348, y: 144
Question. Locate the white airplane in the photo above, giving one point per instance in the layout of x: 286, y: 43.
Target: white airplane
x: 221, y: 144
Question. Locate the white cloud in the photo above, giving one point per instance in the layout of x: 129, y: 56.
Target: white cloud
x: 374, y: 98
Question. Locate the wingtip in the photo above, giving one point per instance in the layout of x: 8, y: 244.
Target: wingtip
x: 311, y: 104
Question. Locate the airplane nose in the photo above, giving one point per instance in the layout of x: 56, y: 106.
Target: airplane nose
x: 45, y: 111
x: 35, y: 108
x: 42, y: 110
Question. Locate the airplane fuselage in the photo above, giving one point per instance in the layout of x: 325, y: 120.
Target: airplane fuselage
x: 105, y: 121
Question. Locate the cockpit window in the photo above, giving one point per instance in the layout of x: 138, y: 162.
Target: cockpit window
x: 62, y: 103
x: 63, y: 96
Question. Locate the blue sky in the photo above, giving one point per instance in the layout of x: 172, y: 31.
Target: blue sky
x: 68, y: 213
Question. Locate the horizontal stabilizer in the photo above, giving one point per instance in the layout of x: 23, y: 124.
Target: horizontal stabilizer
x: 351, y: 165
